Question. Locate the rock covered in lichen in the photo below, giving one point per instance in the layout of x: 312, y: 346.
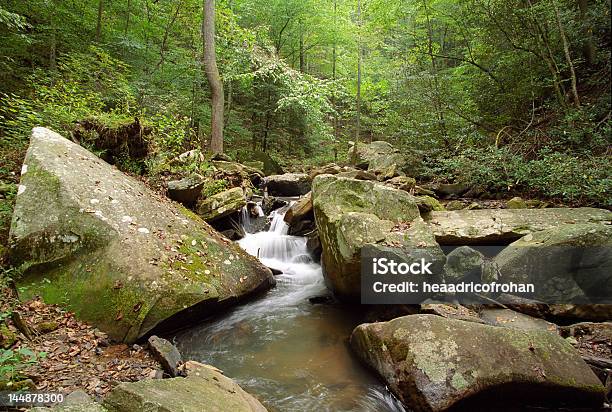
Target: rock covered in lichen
x: 120, y: 256
x: 434, y: 364
x: 351, y: 213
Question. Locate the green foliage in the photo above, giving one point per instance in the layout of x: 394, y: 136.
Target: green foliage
x: 13, y: 362
x: 552, y: 175
x: 213, y: 187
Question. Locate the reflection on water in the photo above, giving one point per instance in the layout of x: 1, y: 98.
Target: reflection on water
x: 289, y: 353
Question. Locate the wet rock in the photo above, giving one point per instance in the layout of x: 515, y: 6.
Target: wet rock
x: 271, y: 203
x: 352, y: 213
x: 186, y: 190
x: 204, y: 387
x: 288, y: 184
x: 493, y: 226
x: 221, y: 205
x: 166, y: 354
x: 434, y: 364
x: 300, y: 210
x: 143, y: 262
x: 322, y: 300
x: 579, y: 257
x: 516, y: 203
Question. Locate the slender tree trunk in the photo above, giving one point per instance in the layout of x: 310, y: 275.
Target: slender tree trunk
x: 127, y: 16
x: 333, y: 98
x: 568, y: 57
x: 358, y: 97
x: 434, y: 71
x: 588, y: 47
x: 302, y: 57
x: 214, y: 79
x: 99, y: 20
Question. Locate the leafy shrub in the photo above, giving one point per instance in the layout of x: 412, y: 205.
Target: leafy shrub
x: 13, y: 362
x: 213, y: 187
x: 554, y: 175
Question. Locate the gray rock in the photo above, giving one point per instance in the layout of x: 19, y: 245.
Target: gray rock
x: 288, y: 184
x: 186, y: 190
x: 463, y: 263
x: 77, y: 401
x: 569, y: 263
x: 222, y: 204
x: 103, y: 245
x: 351, y: 213
x: 494, y: 226
x: 166, y: 354
x: 204, y: 389
x: 434, y: 364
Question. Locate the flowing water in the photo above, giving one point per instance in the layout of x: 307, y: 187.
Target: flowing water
x: 291, y: 354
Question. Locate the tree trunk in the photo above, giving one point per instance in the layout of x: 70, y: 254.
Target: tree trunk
x: 302, y: 57
x: 588, y: 46
x: 214, y: 79
x: 333, y: 97
x: 127, y: 16
x: 358, y: 97
x: 568, y: 57
x: 99, y: 20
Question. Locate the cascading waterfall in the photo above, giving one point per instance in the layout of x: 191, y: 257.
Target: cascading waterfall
x: 288, y: 352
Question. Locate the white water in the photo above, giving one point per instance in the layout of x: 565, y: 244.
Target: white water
x: 291, y: 354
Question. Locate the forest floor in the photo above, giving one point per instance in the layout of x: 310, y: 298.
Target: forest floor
x: 73, y: 355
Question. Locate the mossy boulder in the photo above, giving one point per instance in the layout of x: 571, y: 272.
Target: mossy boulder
x: 434, y: 364
x: 494, y: 226
x: 428, y: 203
x: 186, y: 190
x: 384, y: 159
x: 567, y: 264
x: 221, y: 205
x: 516, y: 203
x: 351, y: 213
x: 204, y: 388
x: 103, y: 245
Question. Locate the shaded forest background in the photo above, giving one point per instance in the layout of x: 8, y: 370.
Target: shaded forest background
x: 512, y: 96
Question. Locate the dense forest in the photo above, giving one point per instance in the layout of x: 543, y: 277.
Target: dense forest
x: 205, y: 181
x: 510, y: 95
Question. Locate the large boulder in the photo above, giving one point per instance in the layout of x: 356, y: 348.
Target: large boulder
x: 434, y: 364
x: 204, y: 388
x: 567, y: 264
x: 351, y: 213
x: 117, y: 254
x: 221, y: 205
x: 494, y: 226
x: 288, y: 184
x: 186, y: 190
x: 382, y: 158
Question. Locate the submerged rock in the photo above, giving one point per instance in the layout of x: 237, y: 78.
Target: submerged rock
x: 222, y: 204
x: 434, y: 364
x: 204, y: 388
x: 493, y: 226
x: 288, y: 184
x: 106, y: 247
x: 351, y: 213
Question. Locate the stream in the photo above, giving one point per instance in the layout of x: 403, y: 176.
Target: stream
x: 291, y: 354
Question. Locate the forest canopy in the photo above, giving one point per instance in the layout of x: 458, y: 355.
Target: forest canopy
x: 508, y: 95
